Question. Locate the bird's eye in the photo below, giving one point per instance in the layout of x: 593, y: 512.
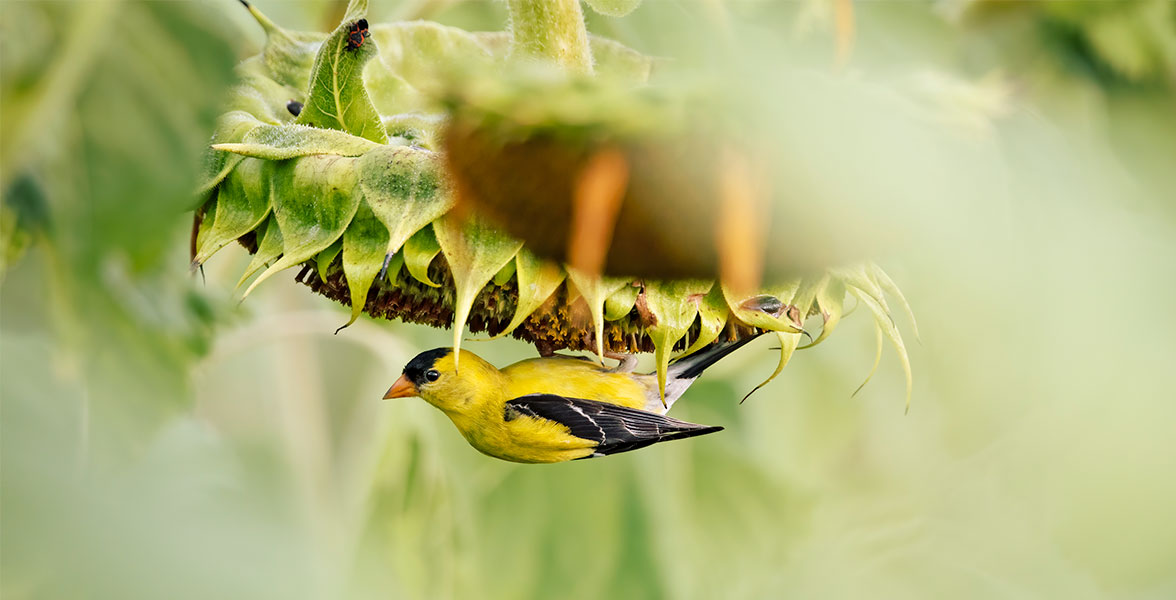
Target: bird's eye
x: 432, y: 375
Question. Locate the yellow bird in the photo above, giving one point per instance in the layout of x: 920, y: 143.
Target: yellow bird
x: 556, y: 408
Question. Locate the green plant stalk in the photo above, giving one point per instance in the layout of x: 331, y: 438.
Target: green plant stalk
x: 550, y: 29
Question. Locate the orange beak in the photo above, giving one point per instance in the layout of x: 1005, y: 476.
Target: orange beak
x: 403, y: 388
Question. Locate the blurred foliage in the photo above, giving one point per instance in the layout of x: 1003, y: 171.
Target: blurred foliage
x: 144, y: 457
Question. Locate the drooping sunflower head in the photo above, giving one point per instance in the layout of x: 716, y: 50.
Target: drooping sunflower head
x: 571, y: 210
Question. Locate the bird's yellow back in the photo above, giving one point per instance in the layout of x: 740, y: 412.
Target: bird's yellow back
x: 574, y: 378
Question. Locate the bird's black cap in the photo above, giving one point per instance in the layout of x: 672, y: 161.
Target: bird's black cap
x: 415, y: 369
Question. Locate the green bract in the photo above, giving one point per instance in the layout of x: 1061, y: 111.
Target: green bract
x: 355, y: 191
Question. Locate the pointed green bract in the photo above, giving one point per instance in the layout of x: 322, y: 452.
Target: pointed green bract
x: 419, y: 252
x: 620, y: 303
x: 204, y: 216
x: 280, y: 142
x: 243, y: 202
x: 405, y: 189
x: 595, y: 290
x: 314, y: 200
x: 756, y: 318
x: 475, y: 251
x: 338, y: 98
x: 394, y: 265
x: 830, y: 303
x: 504, y: 274
x: 231, y: 127
x: 364, y: 243
x: 802, y: 300
x: 324, y: 259
x: 712, y: 318
x: 887, y: 327
x: 674, y: 306
x: 861, y: 277
x: 287, y: 55
x: 887, y: 284
x: 269, y: 248
x: 538, y: 279
x: 788, y: 344
x: 877, y: 360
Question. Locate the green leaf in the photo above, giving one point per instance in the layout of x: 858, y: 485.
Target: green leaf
x: 419, y: 252
x: 338, y: 98
x: 268, y: 250
x: 281, y: 142
x: 538, y: 279
x: 475, y: 251
x: 668, y: 301
x: 712, y: 318
x: 363, y: 256
x: 258, y: 96
x: 406, y: 191
x: 242, y: 203
x: 315, y: 198
x: 288, y: 56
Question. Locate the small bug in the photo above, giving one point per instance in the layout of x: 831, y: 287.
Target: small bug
x: 295, y: 107
x: 357, y: 34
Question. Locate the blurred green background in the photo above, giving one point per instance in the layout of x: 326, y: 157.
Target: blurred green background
x: 160, y: 440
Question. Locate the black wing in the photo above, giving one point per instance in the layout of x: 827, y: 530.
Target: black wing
x: 614, y: 428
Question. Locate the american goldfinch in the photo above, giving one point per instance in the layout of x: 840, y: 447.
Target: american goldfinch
x: 556, y: 408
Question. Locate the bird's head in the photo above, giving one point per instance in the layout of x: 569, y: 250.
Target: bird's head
x: 433, y: 375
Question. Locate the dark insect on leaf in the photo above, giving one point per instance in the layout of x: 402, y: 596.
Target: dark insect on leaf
x: 295, y: 107
x: 357, y: 34
x: 765, y: 304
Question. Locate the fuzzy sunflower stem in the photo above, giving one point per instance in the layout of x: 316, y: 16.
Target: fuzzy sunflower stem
x: 552, y: 30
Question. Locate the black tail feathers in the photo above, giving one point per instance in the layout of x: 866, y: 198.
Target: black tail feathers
x: 689, y: 367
